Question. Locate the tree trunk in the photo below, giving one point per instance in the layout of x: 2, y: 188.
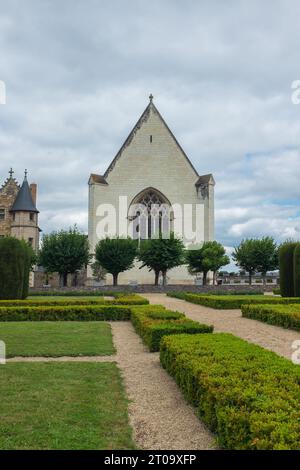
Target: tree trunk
x: 156, y: 278
x: 250, y: 279
x: 264, y: 279
x: 65, y: 279
x: 164, y: 275
x: 115, y: 279
x: 204, y: 278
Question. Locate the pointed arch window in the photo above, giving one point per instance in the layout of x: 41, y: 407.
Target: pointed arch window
x: 150, y: 214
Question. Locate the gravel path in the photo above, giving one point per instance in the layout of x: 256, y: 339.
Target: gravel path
x: 159, y: 415
x: 271, y: 337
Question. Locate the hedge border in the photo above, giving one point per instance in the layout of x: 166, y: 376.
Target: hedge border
x: 153, y: 325
x: 286, y: 316
x: 122, y: 300
x: 234, y: 301
x: 245, y: 394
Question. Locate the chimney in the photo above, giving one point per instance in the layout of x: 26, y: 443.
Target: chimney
x: 33, y: 190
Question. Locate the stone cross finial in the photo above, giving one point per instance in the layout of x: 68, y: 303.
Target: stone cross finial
x: 151, y: 97
x: 11, y: 172
x: 25, y: 173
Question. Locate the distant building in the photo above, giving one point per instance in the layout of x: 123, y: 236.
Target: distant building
x: 18, y: 212
x: 151, y: 187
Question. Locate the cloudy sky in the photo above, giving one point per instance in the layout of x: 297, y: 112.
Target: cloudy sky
x: 78, y: 74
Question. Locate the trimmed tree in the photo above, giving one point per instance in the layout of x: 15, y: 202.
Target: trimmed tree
x: 12, y: 268
x: 297, y: 270
x: 266, y: 255
x: 64, y: 252
x: 29, y: 261
x: 210, y: 257
x: 286, y: 268
x: 161, y: 254
x: 246, y: 256
x: 116, y: 255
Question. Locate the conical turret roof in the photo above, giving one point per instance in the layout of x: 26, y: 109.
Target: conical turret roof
x: 24, y: 201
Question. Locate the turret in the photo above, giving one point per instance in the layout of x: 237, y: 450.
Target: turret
x: 24, y: 223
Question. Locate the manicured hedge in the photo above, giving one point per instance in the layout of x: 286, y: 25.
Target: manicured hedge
x: 297, y: 270
x: 245, y: 394
x: 13, y: 268
x: 152, y: 325
x: 180, y: 295
x: 124, y: 300
x: 68, y: 312
x: 287, y: 316
x: 74, y: 293
x: 286, y: 269
x: 236, y: 301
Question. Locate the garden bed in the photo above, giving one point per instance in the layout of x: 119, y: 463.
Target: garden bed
x: 153, y: 324
x: 286, y: 316
x: 233, y: 301
x: 245, y: 394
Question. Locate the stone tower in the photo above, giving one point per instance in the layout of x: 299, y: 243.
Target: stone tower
x: 18, y: 212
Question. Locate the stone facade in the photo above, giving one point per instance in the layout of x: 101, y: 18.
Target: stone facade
x: 18, y: 213
x: 151, y: 159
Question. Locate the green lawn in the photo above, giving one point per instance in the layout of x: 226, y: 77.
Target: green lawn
x: 56, y: 338
x: 63, y: 406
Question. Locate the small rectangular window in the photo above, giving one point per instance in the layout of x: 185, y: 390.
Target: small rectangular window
x: 2, y: 214
x: 150, y: 139
x: 32, y: 216
x: 30, y: 241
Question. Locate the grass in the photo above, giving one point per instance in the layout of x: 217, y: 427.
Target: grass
x: 63, y: 406
x: 56, y: 338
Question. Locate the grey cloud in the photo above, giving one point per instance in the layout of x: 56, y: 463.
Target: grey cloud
x: 78, y: 75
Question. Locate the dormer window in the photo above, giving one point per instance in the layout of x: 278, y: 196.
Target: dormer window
x: 2, y: 214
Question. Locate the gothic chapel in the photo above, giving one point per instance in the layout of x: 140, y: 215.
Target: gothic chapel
x: 151, y: 171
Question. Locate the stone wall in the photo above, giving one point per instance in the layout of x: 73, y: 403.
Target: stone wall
x: 170, y: 288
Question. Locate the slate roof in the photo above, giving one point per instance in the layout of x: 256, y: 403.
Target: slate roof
x: 97, y: 179
x: 205, y: 179
x: 24, y: 201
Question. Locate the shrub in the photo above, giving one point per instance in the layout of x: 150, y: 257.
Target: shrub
x: 153, y: 325
x: 12, y: 268
x: 297, y: 270
x: 287, y: 316
x: 66, y: 313
x: 245, y: 394
x: 71, y: 293
x: 276, y: 291
x: 124, y: 300
x: 236, y: 301
x: 286, y: 268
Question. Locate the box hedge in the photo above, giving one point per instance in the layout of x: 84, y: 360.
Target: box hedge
x: 152, y: 325
x: 124, y: 300
x: 66, y: 313
x: 286, y: 316
x: 245, y: 394
x: 286, y: 269
x: 236, y: 301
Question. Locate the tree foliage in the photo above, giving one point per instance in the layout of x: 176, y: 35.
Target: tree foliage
x: 286, y: 268
x: 116, y: 255
x: 64, y: 252
x: 210, y: 257
x: 161, y: 254
x: 16, y: 259
x: 297, y: 270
